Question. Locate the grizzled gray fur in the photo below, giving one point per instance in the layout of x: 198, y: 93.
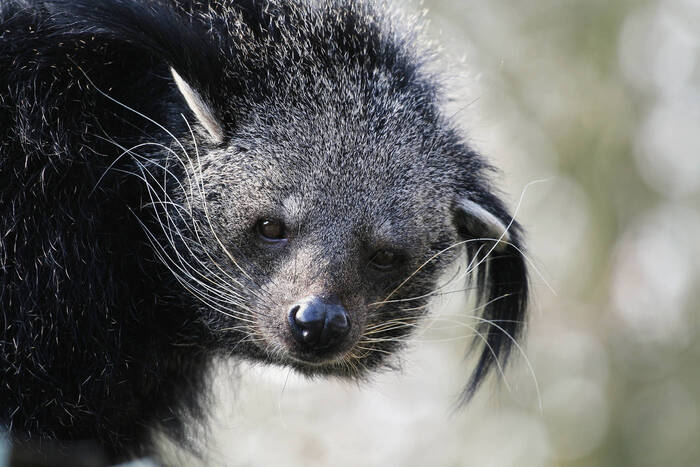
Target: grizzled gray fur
x: 185, y: 180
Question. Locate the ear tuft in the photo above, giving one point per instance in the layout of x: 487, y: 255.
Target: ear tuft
x: 199, y: 108
x: 499, y: 272
x: 480, y: 223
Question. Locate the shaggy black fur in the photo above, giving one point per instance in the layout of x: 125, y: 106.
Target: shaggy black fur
x: 99, y: 337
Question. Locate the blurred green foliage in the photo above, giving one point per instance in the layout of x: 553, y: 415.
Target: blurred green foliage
x: 604, y: 97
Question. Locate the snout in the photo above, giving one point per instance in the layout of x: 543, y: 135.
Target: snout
x: 320, y: 326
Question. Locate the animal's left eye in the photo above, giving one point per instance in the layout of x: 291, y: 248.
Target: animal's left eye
x: 385, y: 259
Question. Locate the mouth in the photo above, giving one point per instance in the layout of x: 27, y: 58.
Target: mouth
x: 344, y: 364
x: 316, y: 358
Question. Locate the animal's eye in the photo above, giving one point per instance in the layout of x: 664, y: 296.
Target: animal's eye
x: 385, y: 259
x: 271, y: 230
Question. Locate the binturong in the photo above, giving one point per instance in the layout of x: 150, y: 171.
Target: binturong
x: 263, y: 180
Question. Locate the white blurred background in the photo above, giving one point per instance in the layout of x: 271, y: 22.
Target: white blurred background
x: 600, y: 98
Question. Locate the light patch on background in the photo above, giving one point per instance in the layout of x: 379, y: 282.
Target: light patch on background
x: 577, y: 416
x: 660, y: 55
x: 559, y: 235
x: 653, y: 272
x: 563, y: 354
x: 667, y: 147
x: 659, y: 48
x: 504, y: 438
x: 661, y: 423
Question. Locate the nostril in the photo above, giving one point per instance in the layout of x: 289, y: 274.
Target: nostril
x: 337, y: 323
x: 306, y: 322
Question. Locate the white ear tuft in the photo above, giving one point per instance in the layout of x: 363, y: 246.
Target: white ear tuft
x: 201, y: 110
x: 481, y: 222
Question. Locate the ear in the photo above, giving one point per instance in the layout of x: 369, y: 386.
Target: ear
x: 476, y: 221
x: 199, y: 108
x: 495, y: 256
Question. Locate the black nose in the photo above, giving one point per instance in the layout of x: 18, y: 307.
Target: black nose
x: 318, y: 323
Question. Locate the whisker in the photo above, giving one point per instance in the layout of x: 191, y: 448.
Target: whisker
x: 168, y: 232
x: 496, y: 242
x: 206, y: 207
x: 522, y: 352
x: 152, y: 238
x: 202, y: 296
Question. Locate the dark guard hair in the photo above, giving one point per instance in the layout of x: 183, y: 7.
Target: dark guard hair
x: 113, y: 302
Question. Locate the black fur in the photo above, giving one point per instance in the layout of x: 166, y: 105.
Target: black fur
x: 101, y: 334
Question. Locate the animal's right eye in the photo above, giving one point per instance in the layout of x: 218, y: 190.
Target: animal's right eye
x: 385, y: 260
x: 271, y: 231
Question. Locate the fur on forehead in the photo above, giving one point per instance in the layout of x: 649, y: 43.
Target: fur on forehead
x: 243, y: 52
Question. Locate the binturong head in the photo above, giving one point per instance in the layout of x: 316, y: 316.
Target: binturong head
x: 317, y: 192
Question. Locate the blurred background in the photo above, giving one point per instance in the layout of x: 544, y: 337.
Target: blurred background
x: 600, y: 101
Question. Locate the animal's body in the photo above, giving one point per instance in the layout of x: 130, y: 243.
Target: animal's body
x: 189, y: 180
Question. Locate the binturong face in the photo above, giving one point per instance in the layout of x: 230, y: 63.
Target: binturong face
x: 337, y: 228
x: 313, y: 235
x: 319, y: 194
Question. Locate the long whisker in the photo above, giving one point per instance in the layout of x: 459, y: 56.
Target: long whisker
x: 206, y: 208
x: 496, y: 242
x: 205, y: 296
x: 433, y: 292
x: 174, y: 138
x: 522, y: 352
x: 171, y: 225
